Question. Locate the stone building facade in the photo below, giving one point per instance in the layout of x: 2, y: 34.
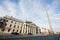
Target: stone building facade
x: 15, y: 25
x: 9, y: 24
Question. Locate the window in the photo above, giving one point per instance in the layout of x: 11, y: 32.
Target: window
x: 8, y: 30
x: 13, y: 30
x: 18, y: 26
x: 2, y: 29
x: 5, y: 24
x: 23, y: 31
x: 20, y: 31
x: 6, y: 20
x: 14, y: 26
x: 15, y: 22
x: 11, y: 21
x: 10, y: 25
x: 26, y: 31
x: 17, y: 30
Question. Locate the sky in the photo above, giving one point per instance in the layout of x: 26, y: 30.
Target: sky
x: 33, y: 10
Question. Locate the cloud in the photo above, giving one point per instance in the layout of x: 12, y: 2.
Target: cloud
x: 54, y: 14
x: 8, y: 9
x: 15, y: 1
x: 2, y: 11
x: 33, y: 10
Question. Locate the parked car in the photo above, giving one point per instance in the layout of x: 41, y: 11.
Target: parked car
x: 15, y: 33
x: 29, y: 33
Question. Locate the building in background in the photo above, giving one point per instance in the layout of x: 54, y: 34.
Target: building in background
x: 44, y: 31
x: 9, y: 25
x: 29, y: 27
x: 15, y: 25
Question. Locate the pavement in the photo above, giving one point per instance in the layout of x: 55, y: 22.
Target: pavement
x: 30, y: 37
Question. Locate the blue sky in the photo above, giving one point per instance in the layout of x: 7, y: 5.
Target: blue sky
x: 33, y: 10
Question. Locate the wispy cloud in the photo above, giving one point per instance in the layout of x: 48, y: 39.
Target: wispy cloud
x: 33, y: 10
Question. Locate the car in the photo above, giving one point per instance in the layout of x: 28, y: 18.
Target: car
x: 29, y: 33
x: 15, y: 33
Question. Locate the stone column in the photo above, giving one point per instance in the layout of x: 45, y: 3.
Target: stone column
x: 27, y: 29
x: 34, y: 30
x: 30, y: 29
x: 22, y: 29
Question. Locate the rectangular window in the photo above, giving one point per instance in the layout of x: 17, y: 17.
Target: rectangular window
x: 5, y: 24
x: 11, y: 21
x: 20, y: 31
x: 10, y: 25
x: 13, y: 30
x: 18, y: 26
x: 2, y: 29
x: 14, y: 26
x: 6, y: 20
x: 15, y: 22
x: 17, y: 30
x: 8, y: 30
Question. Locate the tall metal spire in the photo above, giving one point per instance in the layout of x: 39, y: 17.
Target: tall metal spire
x: 49, y: 22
